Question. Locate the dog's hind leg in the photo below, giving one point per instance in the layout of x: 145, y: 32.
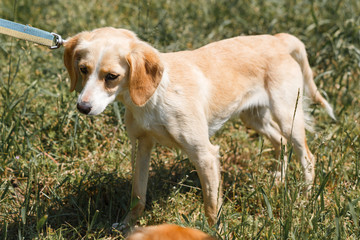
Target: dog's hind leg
x: 293, y: 128
x: 260, y: 119
x: 290, y: 117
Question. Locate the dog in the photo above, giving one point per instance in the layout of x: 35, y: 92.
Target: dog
x: 180, y: 99
x: 168, y: 232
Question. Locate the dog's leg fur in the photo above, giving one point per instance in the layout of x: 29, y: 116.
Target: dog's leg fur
x: 141, y: 168
x: 261, y: 121
x: 291, y: 123
x: 201, y: 152
x: 205, y: 157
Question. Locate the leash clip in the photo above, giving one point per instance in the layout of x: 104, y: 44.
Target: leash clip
x: 58, y: 41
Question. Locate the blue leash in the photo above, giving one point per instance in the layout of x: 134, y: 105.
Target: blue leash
x: 25, y: 32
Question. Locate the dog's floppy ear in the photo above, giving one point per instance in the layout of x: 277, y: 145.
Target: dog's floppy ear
x: 70, y: 63
x: 145, y: 72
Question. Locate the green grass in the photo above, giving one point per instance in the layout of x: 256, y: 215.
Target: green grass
x: 67, y: 176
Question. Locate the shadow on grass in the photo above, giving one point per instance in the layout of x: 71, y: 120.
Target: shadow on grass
x: 89, y: 206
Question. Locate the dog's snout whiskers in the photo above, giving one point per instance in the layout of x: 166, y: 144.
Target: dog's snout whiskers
x: 84, y: 107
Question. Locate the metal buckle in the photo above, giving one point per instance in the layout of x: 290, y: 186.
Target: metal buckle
x: 58, y: 41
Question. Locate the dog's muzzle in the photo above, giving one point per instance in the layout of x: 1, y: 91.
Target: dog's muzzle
x: 84, y: 107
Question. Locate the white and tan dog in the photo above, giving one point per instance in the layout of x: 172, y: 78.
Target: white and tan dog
x: 180, y: 99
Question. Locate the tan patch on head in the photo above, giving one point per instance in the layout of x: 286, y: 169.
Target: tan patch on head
x: 114, y: 64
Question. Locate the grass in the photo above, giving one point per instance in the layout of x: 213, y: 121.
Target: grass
x: 67, y: 176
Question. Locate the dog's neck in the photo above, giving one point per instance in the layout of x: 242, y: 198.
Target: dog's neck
x: 152, y: 111
x: 155, y: 99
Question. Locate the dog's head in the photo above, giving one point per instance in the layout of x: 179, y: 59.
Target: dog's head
x: 108, y: 62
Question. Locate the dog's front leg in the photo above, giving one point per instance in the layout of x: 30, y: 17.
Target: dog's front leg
x: 205, y: 159
x: 140, y: 177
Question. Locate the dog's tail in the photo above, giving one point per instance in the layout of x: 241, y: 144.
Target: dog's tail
x: 298, y: 52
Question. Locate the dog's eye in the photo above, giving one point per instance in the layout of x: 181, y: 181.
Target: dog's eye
x: 84, y: 70
x: 110, y: 77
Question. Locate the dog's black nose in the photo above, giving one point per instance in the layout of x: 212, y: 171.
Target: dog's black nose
x: 84, y: 107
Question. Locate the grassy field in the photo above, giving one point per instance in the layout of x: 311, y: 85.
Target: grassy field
x: 67, y: 176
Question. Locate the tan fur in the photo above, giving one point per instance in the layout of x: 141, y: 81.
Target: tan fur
x: 69, y: 60
x: 145, y: 72
x: 180, y: 99
x: 168, y: 232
